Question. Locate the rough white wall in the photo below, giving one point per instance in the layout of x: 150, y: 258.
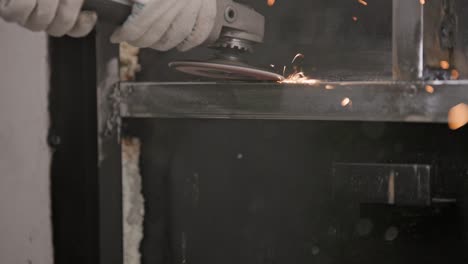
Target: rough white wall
x: 25, y: 225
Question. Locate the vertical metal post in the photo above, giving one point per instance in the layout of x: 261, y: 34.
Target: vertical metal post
x: 109, y: 149
x: 72, y: 137
x: 422, y: 39
x: 408, y: 40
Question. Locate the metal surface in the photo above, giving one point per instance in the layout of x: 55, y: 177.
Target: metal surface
x: 424, y: 35
x: 408, y: 40
x: 73, y: 145
x: 109, y: 163
x: 393, y: 184
x: 380, y: 101
x: 263, y: 189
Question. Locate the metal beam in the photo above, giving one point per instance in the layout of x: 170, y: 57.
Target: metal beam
x: 354, y: 101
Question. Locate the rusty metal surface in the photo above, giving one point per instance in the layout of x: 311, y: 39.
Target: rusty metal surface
x: 353, y: 101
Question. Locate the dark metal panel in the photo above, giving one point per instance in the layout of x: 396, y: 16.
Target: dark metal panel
x: 399, y: 102
x: 259, y: 191
x: 393, y: 184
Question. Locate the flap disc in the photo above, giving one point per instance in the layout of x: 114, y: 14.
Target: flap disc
x: 225, y: 69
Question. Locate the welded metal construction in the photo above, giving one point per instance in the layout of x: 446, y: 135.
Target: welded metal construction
x: 239, y: 171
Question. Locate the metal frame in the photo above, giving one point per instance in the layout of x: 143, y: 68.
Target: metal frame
x: 109, y: 149
x: 406, y: 101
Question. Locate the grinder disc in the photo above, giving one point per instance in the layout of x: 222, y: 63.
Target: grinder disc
x: 225, y: 69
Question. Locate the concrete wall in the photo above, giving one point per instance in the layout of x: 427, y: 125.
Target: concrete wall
x: 25, y: 225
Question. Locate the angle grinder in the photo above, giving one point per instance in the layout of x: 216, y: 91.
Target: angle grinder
x: 237, y: 29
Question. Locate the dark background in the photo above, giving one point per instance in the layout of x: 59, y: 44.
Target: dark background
x: 262, y: 192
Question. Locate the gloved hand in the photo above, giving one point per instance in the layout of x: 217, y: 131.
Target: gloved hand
x: 166, y: 24
x: 56, y: 17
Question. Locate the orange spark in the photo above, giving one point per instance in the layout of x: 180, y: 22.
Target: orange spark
x: 454, y: 75
x: 271, y: 2
x: 458, y: 116
x: 429, y: 89
x: 329, y: 87
x: 346, y: 102
x: 362, y: 2
x: 299, y: 78
x: 422, y: 2
x: 355, y: 19
x: 444, y: 65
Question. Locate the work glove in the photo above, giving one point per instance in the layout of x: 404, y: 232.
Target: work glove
x: 167, y: 24
x: 56, y: 17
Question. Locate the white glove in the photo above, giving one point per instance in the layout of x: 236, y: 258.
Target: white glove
x: 56, y: 17
x: 166, y: 24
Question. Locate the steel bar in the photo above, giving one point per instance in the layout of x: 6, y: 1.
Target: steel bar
x: 354, y: 101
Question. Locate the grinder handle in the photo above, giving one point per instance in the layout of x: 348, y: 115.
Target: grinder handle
x: 114, y: 12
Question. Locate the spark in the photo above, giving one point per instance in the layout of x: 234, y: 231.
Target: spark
x: 362, y: 2
x: 422, y: 2
x: 458, y: 116
x: 271, y: 2
x: 299, y: 55
x: 329, y: 87
x: 346, y: 102
x: 355, y: 19
x: 299, y: 78
x: 444, y: 65
x: 429, y: 89
x: 455, y: 75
